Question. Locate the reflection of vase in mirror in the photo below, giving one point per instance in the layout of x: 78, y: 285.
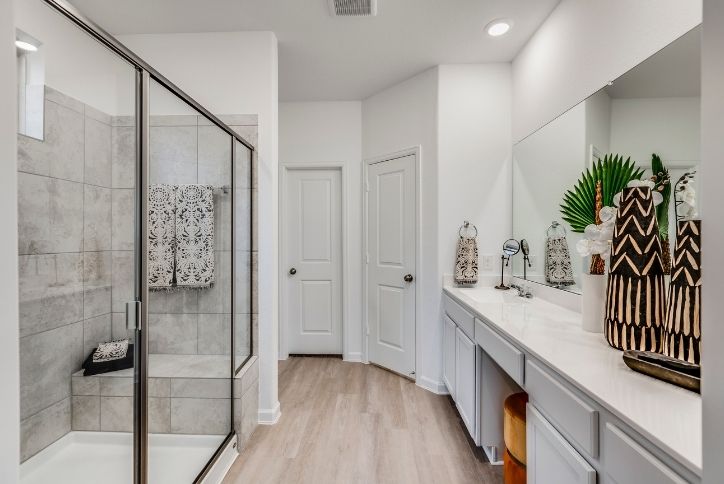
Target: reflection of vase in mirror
x: 682, y: 331
x: 635, y: 298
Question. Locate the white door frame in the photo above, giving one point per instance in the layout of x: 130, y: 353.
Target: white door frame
x: 417, y: 152
x: 284, y: 169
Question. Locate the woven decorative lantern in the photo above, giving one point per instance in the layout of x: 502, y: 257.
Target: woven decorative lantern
x: 682, y: 331
x: 635, y: 296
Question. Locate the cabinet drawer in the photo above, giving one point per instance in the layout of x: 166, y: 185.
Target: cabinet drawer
x: 507, y: 356
x: 462, y: 317
x: 629, y: 463
x: 569, y: 412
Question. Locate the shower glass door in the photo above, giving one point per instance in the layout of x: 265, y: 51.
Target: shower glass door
x: 78, y: 257
x: 189, y: 327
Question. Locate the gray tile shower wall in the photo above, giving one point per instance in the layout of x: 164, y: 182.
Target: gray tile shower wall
x: 65, y: 260
x: 189, y: 149
x: 75, y: 199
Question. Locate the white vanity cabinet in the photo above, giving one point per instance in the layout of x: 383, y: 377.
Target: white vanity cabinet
x: 574, y: 435
x: 551, y: 459
x: 460, y: 364
x: 465, y: 366
x: 449, y: 340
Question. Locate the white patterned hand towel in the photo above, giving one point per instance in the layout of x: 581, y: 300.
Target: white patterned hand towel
x: 466, y: 265
x: 161, y: 235
x: 194, y: 236
x: 559, y: 270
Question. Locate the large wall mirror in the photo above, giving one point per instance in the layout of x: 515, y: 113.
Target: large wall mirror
x: 652, y: 109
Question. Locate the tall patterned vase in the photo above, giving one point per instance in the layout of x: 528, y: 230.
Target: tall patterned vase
x: 682, y: 331
x: 635, y: 296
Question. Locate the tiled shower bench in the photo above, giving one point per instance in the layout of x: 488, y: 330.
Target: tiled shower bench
x: 188, y: 394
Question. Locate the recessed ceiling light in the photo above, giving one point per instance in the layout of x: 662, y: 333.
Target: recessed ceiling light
x: 21, y: 44
x: 498, y: 27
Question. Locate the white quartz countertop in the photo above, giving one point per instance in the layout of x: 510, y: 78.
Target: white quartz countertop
x: 667, y: 415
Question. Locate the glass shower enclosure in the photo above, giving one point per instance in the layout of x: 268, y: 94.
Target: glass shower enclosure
x: 135, y: 226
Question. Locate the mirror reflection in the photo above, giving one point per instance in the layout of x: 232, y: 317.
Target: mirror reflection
x: 644, y: 125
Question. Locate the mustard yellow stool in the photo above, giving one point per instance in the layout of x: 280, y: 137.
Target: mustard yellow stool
x: 514, y: 457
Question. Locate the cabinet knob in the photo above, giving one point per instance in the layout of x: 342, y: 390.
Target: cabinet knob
x: 408, y: 278
x: 292, y: 271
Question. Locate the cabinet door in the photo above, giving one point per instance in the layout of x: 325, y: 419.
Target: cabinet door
x: 448, y: 351
x: 550, y: 458
x: 465, y: 381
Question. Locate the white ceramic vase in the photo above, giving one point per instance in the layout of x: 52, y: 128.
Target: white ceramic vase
x: 593, y: 302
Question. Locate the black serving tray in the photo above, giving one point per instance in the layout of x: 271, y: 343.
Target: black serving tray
x: 677, y: 372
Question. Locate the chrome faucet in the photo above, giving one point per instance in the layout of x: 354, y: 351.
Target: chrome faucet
x: 523, y: 291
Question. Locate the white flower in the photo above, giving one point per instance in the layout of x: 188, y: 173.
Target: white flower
x: 607, y: 214
x: 584, y: 247
x: 687, y: 197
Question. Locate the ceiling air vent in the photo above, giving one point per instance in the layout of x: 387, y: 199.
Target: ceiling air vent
x: 353, y: 8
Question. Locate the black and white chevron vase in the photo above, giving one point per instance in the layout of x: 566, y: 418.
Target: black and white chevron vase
x: 636, y: 295
x: 682, y: 331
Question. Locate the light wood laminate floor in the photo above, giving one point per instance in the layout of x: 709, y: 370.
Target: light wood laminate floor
x: 353, y: 423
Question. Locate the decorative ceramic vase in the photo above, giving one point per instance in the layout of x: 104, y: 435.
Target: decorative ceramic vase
x: 682, y: 331
x: 636, y: 296
x: 593, y: 301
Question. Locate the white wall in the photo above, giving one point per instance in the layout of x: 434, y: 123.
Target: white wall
x: 669, y: 127
x: 583, y: 45
x: 474, y: 158
x: 712, y: 172
x: 400, y: 117
x: 75, y: 64
x: 324, y: 132
x: 460, y: 116
x: 9, y: 363
x: 232, y: 73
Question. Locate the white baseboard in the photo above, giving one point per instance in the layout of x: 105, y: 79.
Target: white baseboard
x: 437, y: 387
x: 355, y: 357
x: 270, y: 416
x: 223, y: 464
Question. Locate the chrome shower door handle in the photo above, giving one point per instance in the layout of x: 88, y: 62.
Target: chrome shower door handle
x: 133, y: 315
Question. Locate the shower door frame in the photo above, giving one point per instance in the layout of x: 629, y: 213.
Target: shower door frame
x: 145, y: 73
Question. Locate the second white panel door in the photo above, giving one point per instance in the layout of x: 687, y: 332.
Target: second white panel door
x: 390, y: 272
x: 312, y: 235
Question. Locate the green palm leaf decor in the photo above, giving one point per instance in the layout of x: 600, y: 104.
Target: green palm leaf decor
x: 579, y: 203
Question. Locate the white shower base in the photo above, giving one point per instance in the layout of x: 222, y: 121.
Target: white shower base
x: 107, y: 457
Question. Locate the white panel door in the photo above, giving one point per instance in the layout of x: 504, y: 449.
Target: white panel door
x: 391, y: 264
x: 313, y: 241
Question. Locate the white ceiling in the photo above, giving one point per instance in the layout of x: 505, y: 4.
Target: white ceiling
x: 322, y: 58
x: 674, y: 71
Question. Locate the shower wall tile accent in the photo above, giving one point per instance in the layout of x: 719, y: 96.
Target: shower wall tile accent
x: 65, y: 263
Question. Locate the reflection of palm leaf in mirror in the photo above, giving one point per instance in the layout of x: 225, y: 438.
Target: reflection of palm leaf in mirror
x: 662, y: 210
x: 579, y: 203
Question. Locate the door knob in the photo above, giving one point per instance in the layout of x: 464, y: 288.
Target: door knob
x: 292, y: 271
x: 408, y: 278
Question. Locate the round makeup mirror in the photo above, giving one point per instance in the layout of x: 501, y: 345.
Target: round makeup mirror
x: 511, y: 247
x: 524, y: 247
